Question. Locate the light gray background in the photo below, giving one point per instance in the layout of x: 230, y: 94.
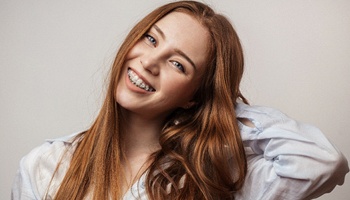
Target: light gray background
x: 54, y: 56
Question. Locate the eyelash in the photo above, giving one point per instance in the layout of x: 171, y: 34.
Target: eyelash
x: 153, y: 41
x: 178, y: 65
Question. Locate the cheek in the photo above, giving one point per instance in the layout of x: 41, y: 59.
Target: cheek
x: 135, y: 51
x: 180, y: 89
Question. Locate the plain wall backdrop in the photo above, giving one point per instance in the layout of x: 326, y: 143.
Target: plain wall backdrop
x: 54, y: 57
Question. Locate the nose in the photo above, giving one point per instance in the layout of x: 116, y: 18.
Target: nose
x: 150, y: 63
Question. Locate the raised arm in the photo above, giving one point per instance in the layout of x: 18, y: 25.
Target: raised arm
x: 287, y: 159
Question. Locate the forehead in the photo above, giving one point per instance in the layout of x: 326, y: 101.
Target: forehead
x: 184, y: 32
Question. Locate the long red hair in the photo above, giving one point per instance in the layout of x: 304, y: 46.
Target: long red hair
x: 201, y: 155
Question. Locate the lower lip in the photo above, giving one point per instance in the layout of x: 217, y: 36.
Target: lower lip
x: 133, y: 87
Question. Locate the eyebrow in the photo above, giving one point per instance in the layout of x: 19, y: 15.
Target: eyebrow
x: 178, y: 51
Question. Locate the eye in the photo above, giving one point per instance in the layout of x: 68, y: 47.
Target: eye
x: 178, y: 65
x: 151, y: 39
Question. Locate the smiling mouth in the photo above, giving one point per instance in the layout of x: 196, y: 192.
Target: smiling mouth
x: 136, y: 80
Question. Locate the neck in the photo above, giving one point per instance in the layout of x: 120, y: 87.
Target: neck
x: 140, y: 139
x: 140, y: 135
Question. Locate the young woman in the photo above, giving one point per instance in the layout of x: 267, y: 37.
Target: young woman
x: 174, y: 125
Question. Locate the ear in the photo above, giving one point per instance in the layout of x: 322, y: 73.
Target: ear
x: 188, y: 105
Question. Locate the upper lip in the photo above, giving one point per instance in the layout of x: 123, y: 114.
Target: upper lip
x: 142, y: 77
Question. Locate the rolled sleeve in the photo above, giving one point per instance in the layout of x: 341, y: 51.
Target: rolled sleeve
x: 287, y: 159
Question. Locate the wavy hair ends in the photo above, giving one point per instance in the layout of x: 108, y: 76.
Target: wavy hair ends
x: 203, y: 151
x: 202, y: 156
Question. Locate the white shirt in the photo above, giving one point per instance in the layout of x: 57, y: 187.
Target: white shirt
x: 286, y: 160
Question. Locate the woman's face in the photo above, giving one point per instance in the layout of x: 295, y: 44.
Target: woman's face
x: 163, y: 70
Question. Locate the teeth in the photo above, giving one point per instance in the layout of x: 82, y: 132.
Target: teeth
x: 139, y: 82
